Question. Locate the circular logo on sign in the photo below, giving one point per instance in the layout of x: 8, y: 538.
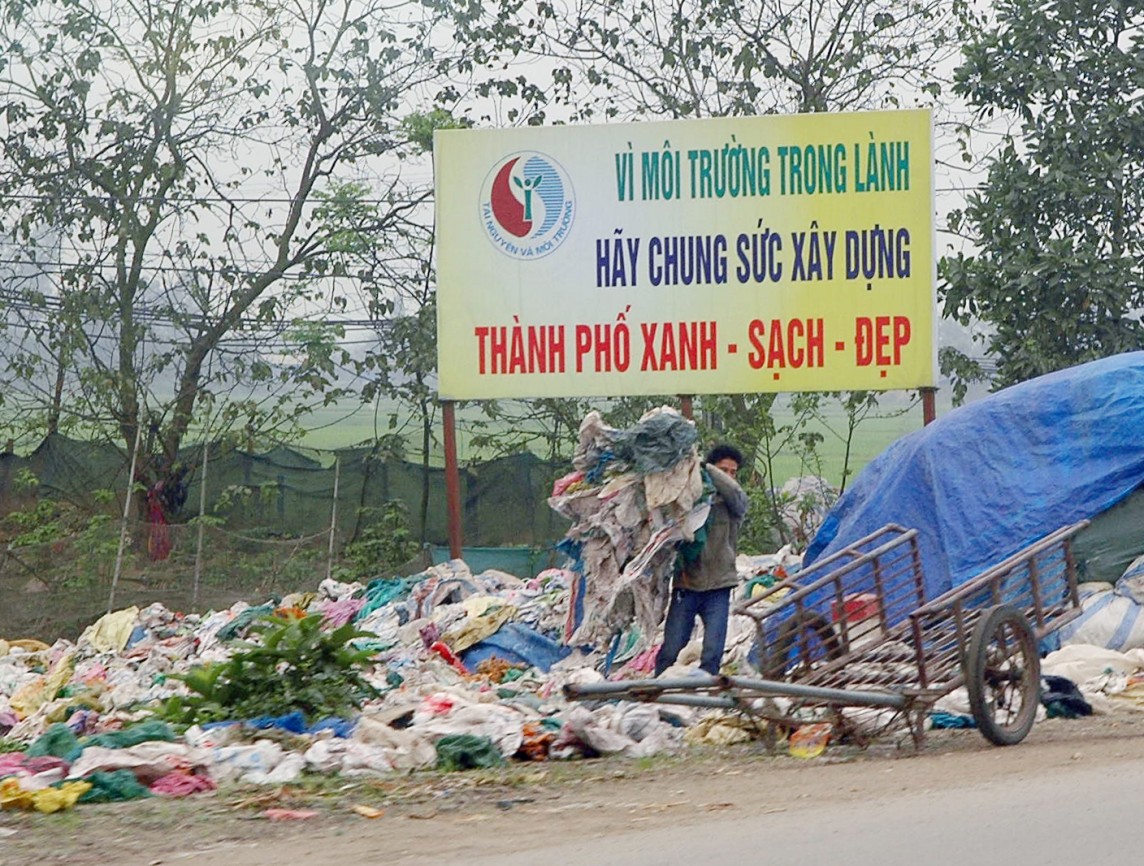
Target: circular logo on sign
x: 527, y: 205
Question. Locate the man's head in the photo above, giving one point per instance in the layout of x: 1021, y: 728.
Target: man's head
x: 726, y: 457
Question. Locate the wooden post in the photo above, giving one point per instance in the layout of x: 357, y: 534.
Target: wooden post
x: 333, y: 518
x: 126, y: 513
x: 929, y: 405
x: 685, y: 406
x: 452, y: 478
x: 201, y: 526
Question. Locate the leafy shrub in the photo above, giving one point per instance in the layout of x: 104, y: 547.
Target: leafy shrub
x: 384, y: 543
x: 296, y: 666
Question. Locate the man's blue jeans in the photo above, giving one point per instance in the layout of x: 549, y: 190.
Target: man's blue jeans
x: 712, y: 607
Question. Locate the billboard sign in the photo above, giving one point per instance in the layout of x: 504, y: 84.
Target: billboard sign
x: 729, y: 255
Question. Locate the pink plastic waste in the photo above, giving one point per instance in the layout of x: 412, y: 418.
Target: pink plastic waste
x: 181, y: 785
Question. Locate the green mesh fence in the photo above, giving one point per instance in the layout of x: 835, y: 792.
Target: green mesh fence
x: 286, y: 492
x: 56, y: 589
x: 270, y: 534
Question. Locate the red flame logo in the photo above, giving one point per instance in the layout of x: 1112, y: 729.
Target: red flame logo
x: 508, y: 210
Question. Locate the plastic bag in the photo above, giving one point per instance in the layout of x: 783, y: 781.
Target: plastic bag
x: 810, y: 741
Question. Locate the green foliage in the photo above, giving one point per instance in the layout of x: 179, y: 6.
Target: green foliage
x: 37, y: 524
x: 174, y: 273
x: 345, y: 210
x: 97, y: 543
x: 383, y: 544
x: 80, y: 541
x: 961, y: 370
x: 419, y: 127
x: 546, y: 425
x: 623, y: 59
x: 296, y: 665
x: 858, y: 407
x: 50, y: 520
x: 1056, y: 273
x: 239, y: 496
x: 26, y: 480
x: 763, y: 529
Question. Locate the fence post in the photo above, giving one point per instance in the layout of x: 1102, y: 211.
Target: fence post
x: 202, y: 514
x: 333, y: 517
x: 126, y: 512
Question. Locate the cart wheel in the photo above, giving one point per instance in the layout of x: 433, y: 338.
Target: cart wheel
x: 801, y: 629
x: 1003, y: 675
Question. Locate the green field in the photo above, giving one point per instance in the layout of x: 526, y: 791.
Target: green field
x: 340, y: 426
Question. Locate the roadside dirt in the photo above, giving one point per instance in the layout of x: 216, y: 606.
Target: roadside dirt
x: 443, y: 818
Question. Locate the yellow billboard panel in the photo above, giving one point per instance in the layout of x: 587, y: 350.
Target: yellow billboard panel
x: 730, y: 255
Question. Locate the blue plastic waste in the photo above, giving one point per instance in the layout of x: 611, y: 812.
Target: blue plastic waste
x: 517, y: 644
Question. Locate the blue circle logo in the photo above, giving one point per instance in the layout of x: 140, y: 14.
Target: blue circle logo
x: 527, y: 205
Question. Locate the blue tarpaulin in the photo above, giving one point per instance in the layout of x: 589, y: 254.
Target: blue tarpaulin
x: 516, y: 643
x: 996, y: 475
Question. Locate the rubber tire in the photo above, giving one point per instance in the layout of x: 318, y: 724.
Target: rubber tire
x: 977, y: 656
x: 773, y: 657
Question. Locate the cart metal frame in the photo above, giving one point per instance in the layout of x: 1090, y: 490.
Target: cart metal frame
x: 855, y: 630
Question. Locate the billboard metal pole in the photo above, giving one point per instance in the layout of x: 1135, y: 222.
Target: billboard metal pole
x: 452, y: 478
x: 685, y: 406
x: 929, y: 405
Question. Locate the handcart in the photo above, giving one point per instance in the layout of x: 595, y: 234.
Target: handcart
x: 855, y: 630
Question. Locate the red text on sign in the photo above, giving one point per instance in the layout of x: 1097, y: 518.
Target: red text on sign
x: 678, y: 346
x: 879, y: 340
x: 795, y: 343
x: 520, y: 349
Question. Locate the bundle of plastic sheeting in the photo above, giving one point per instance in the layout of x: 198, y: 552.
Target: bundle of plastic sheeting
x: 1110, y: 681
x: 1112, y: 614
x: 803, y: 503
x: 634, y: 495
x: 625, y: 728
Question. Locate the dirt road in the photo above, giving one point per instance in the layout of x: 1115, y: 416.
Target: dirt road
x: 1063, y: 796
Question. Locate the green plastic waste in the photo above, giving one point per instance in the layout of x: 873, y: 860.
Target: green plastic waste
x: 239, y: 624
x: 113, y: 787
x: 467, y: 752
x: 142, y: 732
x: 57, y: 741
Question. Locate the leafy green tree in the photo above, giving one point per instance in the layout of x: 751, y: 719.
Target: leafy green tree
x: 405, y: 369
x: 168, y: 164
x: 1057, y: 237
x: 398, y: 294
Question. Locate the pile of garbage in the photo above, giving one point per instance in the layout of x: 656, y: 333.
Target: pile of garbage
x: 450, y: 669
x: 459, y: 669
x: 467, y: 670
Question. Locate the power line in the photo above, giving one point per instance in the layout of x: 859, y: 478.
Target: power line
x: 241, y: 343
x: 177, y: 319
x: 76, y: 196
x: 62, y: 267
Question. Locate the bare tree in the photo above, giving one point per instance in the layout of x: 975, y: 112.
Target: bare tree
x: 169, y: 166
